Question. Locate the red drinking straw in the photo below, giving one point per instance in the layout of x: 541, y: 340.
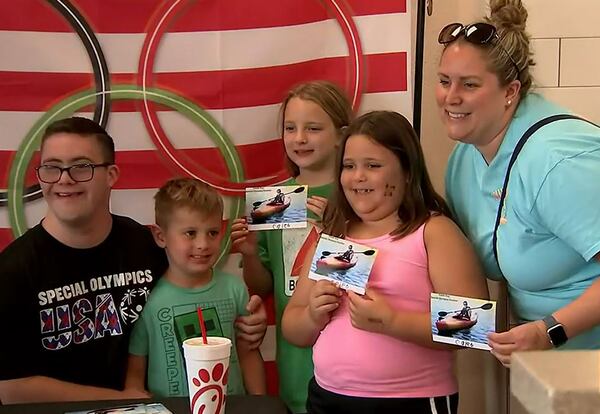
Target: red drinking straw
x: 202, y: 326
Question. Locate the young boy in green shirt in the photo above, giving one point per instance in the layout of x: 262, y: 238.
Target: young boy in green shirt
x: 189, y: 228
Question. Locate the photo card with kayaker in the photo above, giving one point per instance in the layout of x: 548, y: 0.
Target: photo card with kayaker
x: 345, y: 263
x: 133, y: 408
x: 462, y: 321
x: 276, y: 208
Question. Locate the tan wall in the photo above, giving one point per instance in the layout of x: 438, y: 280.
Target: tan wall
x: 436, y: 145
x: 566, y: 40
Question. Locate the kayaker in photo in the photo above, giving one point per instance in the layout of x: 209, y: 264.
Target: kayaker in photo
x: 279, y: 197
x: 347, y: 255
x: 465, y: 312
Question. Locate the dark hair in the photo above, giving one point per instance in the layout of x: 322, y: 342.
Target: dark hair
x: 86, y: 128
x: 329, y: 97
x: 186, y: 192
x: 394, y: 132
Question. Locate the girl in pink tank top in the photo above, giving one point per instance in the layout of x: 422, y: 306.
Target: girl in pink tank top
x: 374, y: 353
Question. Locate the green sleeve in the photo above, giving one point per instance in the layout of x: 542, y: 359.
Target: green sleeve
x: 240, y: 295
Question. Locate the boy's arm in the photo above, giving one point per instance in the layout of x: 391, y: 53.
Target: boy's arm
x: 256, y: 275
x: 253, y: 368
x: 249, y: 357
x: 136, y: 373
x: 248, y: 243
x: 139, y: 352
x: 45, y: 389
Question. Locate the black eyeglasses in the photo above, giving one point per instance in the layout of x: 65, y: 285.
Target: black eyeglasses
x: 50, y: 174
x: 476, y: 33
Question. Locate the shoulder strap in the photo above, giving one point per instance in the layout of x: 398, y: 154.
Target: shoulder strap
x: 532, y: 129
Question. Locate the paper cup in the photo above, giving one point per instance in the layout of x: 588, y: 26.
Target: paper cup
x: 207, y: 368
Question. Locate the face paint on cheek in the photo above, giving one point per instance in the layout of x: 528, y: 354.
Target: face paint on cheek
x: 389, y: 190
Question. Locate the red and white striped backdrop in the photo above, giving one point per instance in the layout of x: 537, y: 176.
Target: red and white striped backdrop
x: 235, y: 59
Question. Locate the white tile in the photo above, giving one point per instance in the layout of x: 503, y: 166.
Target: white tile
x: 580, y: 62
x: 545, y: 55
x: 560, y: 18
x: 582, y: 101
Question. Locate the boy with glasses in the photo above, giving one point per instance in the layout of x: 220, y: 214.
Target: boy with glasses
x: 72, y: 286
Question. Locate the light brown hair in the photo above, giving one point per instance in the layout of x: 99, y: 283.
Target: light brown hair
x: 189, y: 193
x: 509, y: 17
x: 329, y: 97
x: 394, y: 132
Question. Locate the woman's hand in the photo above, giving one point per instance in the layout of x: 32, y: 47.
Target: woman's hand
x: 242, y: 240
x: 324, y: 298
x: 530, y: 336
x: 370, y: 312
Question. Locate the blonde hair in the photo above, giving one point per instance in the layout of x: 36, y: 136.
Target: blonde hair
x: 509, y: 17
x: 185, y: 192
x: 329, y: 97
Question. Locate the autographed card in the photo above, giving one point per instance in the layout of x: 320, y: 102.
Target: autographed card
x: 345, y: 263
x: 276, y: 208
x: 141, y: 408
x: 462, y: 321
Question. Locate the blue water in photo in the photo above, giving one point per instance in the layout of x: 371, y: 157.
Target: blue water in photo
x: 289, y: 215
x: 477, y: 333
x: 356, y: 276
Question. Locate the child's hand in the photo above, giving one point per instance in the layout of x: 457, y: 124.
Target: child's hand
x: 317, y: 205
x: 324, y: 298
x: 252, y: 328
x: 370, y: 312
x: 242, y: 240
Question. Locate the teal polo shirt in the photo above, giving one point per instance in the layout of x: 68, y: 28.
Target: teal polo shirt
x: 550, y: 230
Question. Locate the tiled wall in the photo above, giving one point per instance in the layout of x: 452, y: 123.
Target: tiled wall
x: 566, y: 41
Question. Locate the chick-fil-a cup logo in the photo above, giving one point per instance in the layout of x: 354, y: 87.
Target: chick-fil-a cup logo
x: 215, y: 383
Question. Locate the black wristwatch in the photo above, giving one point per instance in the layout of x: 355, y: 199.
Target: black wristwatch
x: 555, y: 330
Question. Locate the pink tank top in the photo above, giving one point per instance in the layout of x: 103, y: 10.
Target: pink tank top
x: 354, y: 362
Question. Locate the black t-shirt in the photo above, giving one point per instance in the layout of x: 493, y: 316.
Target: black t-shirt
x: 67, y: 313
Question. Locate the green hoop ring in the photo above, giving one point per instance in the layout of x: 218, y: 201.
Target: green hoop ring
x: 68, y: 106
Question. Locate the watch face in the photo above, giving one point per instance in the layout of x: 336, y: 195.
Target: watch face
x: 557, y: 335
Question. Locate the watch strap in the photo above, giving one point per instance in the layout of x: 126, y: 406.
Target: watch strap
x: 555, y: 331
x: 550, y: 321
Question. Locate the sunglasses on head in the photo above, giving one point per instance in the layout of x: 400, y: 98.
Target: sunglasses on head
x: 476, y: 33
